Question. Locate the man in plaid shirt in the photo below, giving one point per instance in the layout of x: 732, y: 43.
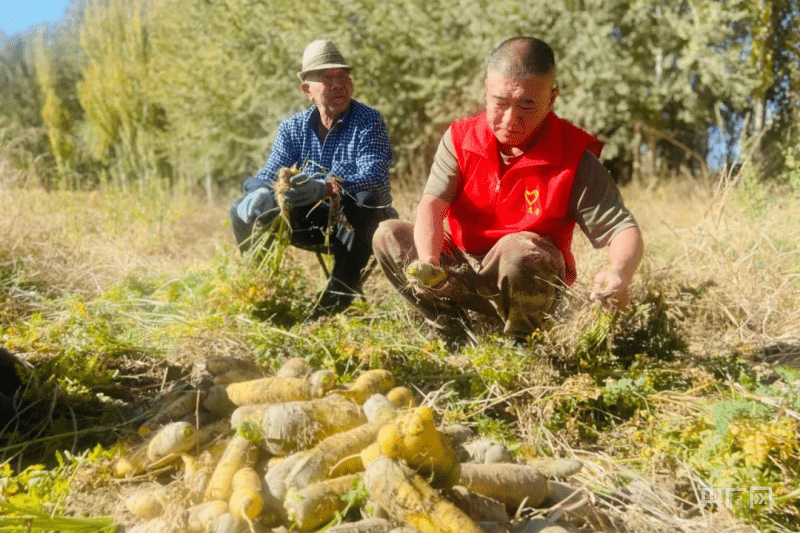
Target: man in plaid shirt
x: 343, y: 149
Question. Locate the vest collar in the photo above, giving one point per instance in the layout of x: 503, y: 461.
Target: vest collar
x: 547, y: 148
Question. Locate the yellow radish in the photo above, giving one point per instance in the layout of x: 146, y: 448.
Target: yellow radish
x: 409, y: 499
x: 238, y: 453
x: 401, y: 397
x: 227, y: 523
x: 146, y: 503
x: 378, y: 407
x: 375, y: 381
x: 292, y: 426
x: 199, y: 518
x: 294, y: 367
x: 315, y: 505
x: 173, y: 438
x: 413, y: 439
x: 246, y: 499
x: 422, y: 273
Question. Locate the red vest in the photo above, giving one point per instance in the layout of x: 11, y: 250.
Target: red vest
x: 533, y: 194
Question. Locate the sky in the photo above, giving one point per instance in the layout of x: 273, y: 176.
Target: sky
x: 19, y: 15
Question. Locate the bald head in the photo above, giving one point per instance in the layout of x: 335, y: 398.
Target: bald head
x: 522, y: 57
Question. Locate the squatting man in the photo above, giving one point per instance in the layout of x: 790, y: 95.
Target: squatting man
x: 343, y: 148
x: 512, y: 183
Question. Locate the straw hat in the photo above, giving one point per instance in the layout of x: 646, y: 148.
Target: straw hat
x: 321, y: 55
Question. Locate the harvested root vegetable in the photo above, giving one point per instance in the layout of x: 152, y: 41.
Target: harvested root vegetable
x: 246, y: 499
x: 347, y: 466
x: 560, y: 468
x: 146, y: 503
x: 409, y: 499
x: 281, y: 185
x: 318, y: 463
x: 485, y: 451
x: 190, y: 465
x: 134, y: 463
x: 510, y: 484
x: 166, y: 446
x: 291, y: 426
x: 173, y: 438
x: 321, y: 382
x: 277, y: 473
x: 274, y: 490
x: 196, y: 473
x: 227, y: 523
x: 238, y: 453
x: 422, y: 273
x: 375, y: 381
x: 378, y: 407
x: 269, y: 390
x: 413, y: 439
x: 370, y: 453
x: 294, y: 367
x: 478, y: 507
x: 177, y: 408
x: 199, y: 518
x: 402, y: 398
x: 316, y: 505
x: 244, y: 413
x: 367, y: 525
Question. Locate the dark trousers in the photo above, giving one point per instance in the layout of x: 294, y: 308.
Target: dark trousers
x: 351, y: 249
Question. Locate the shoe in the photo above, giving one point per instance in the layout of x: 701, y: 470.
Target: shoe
x: 332, y: 301
x: 519, y: 342
x: 454, y: 342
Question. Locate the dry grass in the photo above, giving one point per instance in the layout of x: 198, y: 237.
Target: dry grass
x: 85, y: 241
x: 748, y: 260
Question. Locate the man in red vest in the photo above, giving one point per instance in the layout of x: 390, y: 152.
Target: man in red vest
x: 512, y: 183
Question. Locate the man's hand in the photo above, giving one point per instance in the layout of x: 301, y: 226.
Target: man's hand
x: 253, y: 205
x: 426, y: 274
x: 610, y: 289
x: 426, y: 278
x: 612, y: 285
x: 305, y: 190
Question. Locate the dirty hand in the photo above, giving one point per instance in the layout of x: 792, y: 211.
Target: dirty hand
x: 610, y: 289
x: 253, y: 205
x: 305, y: 190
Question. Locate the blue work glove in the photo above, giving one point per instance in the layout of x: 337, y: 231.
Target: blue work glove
x: 306, y: 190
x: 254, y: 205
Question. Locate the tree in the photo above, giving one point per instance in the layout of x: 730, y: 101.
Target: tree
x: 124, y: 124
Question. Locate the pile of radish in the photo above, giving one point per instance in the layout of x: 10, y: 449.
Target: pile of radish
x: 255, y: 453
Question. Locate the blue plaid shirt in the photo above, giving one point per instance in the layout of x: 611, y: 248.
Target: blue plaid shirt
x: 356, y: 148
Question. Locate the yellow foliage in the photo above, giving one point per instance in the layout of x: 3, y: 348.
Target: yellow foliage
x: 759, y: 440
